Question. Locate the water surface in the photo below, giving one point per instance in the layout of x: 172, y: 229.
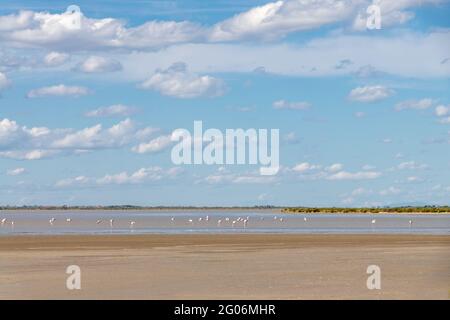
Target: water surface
x: 216, y: 221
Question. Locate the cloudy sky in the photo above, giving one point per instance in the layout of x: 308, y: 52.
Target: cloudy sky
x: 86, y: 112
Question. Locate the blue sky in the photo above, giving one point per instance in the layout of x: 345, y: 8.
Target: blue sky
x: 86, y: 114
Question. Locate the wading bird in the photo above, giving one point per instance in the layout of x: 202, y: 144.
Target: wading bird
x: 3, y: 221
x: 98, y: 221
x: 219, y: 222
x: 51, y: 221
x: 111, y: 223
x: 68, y: 220
x: 374, y: 221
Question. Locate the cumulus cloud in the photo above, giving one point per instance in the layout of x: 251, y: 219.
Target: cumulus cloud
x: 21, y: 142
x: 224, y: 177
x: 442, y: 111
x: 370, y: 93
x: 15, y: 172
x: 305, y: 166
x: 411, y: 165
x: 57, y: 31
x: 414, y: 104
x: 111, y: 111
x: 58, y: 91
x: 4, y: 82
x: 283, y: 104
x: 278, y: 18
x: 267, y: 22
x: 177, y: 81
x: 155, y: 145
x: 55, y: 59
x: 344, y: 175
x: 142, y: 175
x: 393, y: 12
x: 96, y: 64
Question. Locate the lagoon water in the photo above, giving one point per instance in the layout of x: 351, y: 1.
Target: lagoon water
x: 184, y: 222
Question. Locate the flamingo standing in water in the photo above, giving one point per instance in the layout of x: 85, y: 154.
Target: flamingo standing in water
x: 12, y: 224
x: 245, y: 223
x: 111, y: 223
x: 3, y: 221
x: 132, y: 223
x: 68, y: 220
x: 98, y: 221
x: 219, y: 222
x: 51, y: 221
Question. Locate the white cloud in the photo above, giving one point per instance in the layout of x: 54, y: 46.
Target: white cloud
x: 54, y: 59
x: 278, y: 18
x: 43, y: 29
x: 142, y: 175
x: 113, y: 110
x: 269, y: 21
x: 370, y: 93
x: 344, y: 175
x: 415, y: 104
x: 283, y: 104
x: 4, y: 82
x: 80, y: 180
x: 305, y: 167
x: 96, y: 138
x: 28, y: 154
x: 177, y: 81
x: 393, y: 12
x: 442, y: 111
x: 334, y: 167
x: 318, y: 56
x: 155, y: 145
x: 222, y: 177
x: 20, y: 142
x: 58, y: 91
x: 411, y: 165
x: 96, y: 64
x: 15, y: 172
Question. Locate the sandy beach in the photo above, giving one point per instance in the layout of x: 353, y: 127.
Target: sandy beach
x: 225, y: 266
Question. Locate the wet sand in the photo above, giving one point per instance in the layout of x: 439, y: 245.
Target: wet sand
x: 242, y: 266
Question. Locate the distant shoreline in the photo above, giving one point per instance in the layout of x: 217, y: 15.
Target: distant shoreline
x: 286, y: 210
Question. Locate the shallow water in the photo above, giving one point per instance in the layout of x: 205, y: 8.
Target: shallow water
x: 85, y: 222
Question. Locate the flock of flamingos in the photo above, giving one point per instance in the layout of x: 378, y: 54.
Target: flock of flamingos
x: 239, y: 222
